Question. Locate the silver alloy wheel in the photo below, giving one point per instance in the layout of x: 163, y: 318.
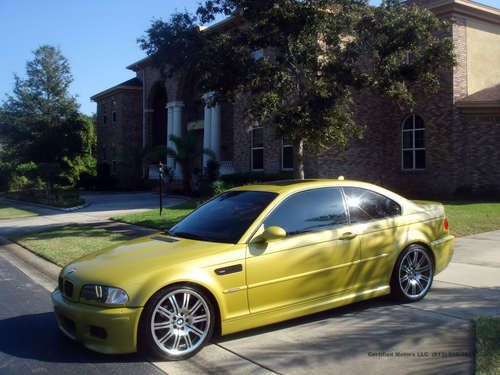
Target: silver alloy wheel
x: 180, y: 322
x: 415, y: 273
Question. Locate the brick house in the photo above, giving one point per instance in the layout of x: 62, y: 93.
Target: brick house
x: 449, y: 144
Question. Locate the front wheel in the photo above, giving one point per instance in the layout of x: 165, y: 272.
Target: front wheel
x: 413, y: 274
x: 176, y: 323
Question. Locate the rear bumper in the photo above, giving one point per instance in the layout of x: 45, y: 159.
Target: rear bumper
x: 443, y: 252
x: 104, y: 330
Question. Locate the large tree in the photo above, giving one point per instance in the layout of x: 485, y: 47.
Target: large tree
x: 40, y: 122
x: 319, y: 55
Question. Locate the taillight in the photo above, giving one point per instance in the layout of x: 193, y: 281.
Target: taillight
x: 445, y: 224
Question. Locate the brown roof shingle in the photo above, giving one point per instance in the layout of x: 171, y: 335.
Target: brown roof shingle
x: 484, y: 100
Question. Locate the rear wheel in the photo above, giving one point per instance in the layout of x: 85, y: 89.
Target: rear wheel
x: 413, y: 274
x: 177, y: 322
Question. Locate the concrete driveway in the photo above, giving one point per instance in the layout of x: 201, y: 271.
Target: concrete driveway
x: 100, y: 207
x: 433, y: 336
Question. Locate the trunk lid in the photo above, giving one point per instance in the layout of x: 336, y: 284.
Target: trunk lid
x: 433, y: 209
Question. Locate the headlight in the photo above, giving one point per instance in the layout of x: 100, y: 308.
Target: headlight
x: 104, y: 294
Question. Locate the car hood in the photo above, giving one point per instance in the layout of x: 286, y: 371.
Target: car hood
x: 121, y: 264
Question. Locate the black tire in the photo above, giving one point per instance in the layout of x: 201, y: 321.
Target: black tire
x: 160, y: 321
x: 413, y: 274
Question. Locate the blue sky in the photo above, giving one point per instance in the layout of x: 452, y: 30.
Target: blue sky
x: 97, y: 36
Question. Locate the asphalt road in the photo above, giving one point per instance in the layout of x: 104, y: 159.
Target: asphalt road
x: 30, y: 342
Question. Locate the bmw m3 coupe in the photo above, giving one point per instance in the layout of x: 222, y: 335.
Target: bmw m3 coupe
x: 253, y: 256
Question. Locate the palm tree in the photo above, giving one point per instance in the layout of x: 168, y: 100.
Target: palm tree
x: 185, y: 153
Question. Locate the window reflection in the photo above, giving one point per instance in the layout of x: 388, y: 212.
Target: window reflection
x: 309, y: 211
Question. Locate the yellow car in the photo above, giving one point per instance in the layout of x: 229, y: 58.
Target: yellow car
x: 252, y: 256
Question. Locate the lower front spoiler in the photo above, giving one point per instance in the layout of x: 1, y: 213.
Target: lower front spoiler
x: 101, y: 329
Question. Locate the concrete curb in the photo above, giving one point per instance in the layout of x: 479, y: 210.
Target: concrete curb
x: 30, y: 260
x: 63, y: 209
x: 37, y: 268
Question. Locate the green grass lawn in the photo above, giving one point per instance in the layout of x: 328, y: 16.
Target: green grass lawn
x: 8, y: 212
x: 62, y: 245
x: 468, y: 218
x: 488, y: 345
x: 152, y: 218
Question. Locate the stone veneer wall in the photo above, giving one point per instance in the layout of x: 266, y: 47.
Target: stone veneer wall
x: 117, y: 140
x: 377, y: 156
x: 242, y: 143
x: 479, y: 160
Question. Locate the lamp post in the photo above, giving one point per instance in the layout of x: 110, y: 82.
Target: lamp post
x: 161, y: 174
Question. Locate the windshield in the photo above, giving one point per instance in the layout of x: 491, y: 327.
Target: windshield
x: 224, y: 218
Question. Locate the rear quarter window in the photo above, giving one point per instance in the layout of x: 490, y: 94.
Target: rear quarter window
x: 366, y: 205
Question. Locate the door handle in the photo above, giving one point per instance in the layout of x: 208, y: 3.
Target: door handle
x: 347, y: 236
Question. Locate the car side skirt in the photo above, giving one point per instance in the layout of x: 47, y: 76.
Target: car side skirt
x: 300, y: 309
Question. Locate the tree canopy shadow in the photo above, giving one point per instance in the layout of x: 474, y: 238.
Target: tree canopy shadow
x: 36, y: 336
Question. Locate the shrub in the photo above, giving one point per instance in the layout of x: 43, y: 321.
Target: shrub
x: 5, y: 175
x: 212, y: 170
x: 219, y: 187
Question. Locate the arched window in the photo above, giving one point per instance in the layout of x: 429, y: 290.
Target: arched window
x: 413, y: 143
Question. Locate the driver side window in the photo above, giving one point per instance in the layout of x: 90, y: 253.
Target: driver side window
x: 308, y: 211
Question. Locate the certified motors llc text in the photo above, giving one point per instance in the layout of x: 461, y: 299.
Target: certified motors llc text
x: 381, y: 355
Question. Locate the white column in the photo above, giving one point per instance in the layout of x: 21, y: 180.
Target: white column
x: 215, y: 130
x: 207, y: 126
x: 174, y: 126
x: 212, y: 126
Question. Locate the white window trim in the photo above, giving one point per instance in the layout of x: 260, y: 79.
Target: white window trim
x: 283, y: 145
x: 252, y: 148
x: 413, y: 148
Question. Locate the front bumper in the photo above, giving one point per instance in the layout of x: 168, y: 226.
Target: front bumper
x: 102, y: 329
x: 443, y: 252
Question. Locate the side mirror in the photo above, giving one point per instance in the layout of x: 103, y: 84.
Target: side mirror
x: 271, y: 233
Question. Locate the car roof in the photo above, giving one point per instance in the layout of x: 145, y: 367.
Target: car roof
x: 287, y: 186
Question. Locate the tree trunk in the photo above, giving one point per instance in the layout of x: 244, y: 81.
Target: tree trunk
x: 298, y: 159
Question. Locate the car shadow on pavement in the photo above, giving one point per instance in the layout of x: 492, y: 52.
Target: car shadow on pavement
x: 348, y: 310
x: 36, y: 336
x: 354, y: 335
